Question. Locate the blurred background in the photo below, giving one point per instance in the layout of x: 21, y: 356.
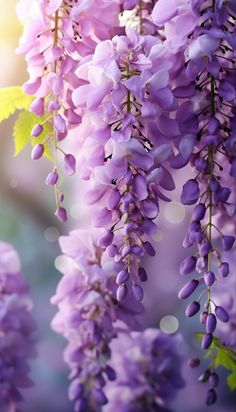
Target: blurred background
x: 27, y: 222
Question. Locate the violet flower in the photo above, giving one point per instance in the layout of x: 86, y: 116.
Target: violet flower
x: 148, y: 366
x: 54, y: 40
x: 17, y: 342
x: 87, y: 311
x: 127, y: 168
x: 209, y: 62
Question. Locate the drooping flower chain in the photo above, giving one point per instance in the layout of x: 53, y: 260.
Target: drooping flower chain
x: 119, y: 96
x: 210, y: 67
x: 120, y: 155
x: 56, y: 35
x: 86, y: 318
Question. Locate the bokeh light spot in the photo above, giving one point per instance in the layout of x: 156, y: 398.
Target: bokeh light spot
x: 159, y: 235
x: 51, y: 234
x: 169, y: 324
x: 75, y: 211
x: 174, y: 212
x: 59, y: 262
x: 13, y: 183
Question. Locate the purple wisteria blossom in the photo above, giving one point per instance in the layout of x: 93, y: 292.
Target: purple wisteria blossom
x: 148, y: 366
x: 126, y: 135
x: 206, y: 88
x: 224, y: 296
x: 134, y: 100
x: 87, y: 314
x: 17, y: 330
x: 214, y: 111
x: 57, y: 34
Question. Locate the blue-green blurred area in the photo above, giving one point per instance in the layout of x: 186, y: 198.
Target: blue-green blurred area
x: 28, y: 233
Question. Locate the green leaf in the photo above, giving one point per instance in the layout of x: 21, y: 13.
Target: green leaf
x: 22, y: 132
x: 12, y: 99
x: 225, y: 357
x: 231, y: 380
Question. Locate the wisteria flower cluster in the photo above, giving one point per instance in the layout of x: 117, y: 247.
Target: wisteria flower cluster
x: 56, y: 35
x: 210, y: 66
x: 17, y: 330
x: 121, y: 156
x: 148, y: 371
x: 91, y: 319
x: 86, y: 315
x: 127, y: 92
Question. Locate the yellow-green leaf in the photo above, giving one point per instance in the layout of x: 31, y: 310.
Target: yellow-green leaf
x: 22, y: 132
x: 12, y: 99
x: 231, y: 380
x: 225, y: 357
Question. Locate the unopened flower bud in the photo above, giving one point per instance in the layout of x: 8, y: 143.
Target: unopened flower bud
x: 199, y: 212
x: 214, y: 380
x: 137, y: 292
x: 37, y: 151
x: 122, y: 277
x: 211, y: 397
x: 204, y: 376
x: 105, y: 239
x: 221, y: 314
x: 207, y: 341
x: 99, y: 396
x: 52, y: 178
x: 142, y: 274
x: 61, y: 214
x: 59, y: 123
x: 112, y: 250
x: 188, y: 265
x: 211, y: 323
x: 37, y: 106
x: 192, y: 309
x: 37, y: 130
x: 205, y: 248
x: 53, y: 105
x: 228, y: 242
x: 111, y: 373
x: 209, y: 278
x: 70, y: 164
x: 224, y: 269
x: 121, y: 292
x: 194, y: 362
x: 188, y: 289
x: 149, y: 248
x: 223, y: 194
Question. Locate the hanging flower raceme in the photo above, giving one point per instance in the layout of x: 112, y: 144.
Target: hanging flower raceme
x: 87, y: 312
x: 56, y: 35
x: 148, y: 366
x: 126, y: 100
x: 224, y: 296
x: 176, y: 21
x: 17, y: 330
x: 208, y: 81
